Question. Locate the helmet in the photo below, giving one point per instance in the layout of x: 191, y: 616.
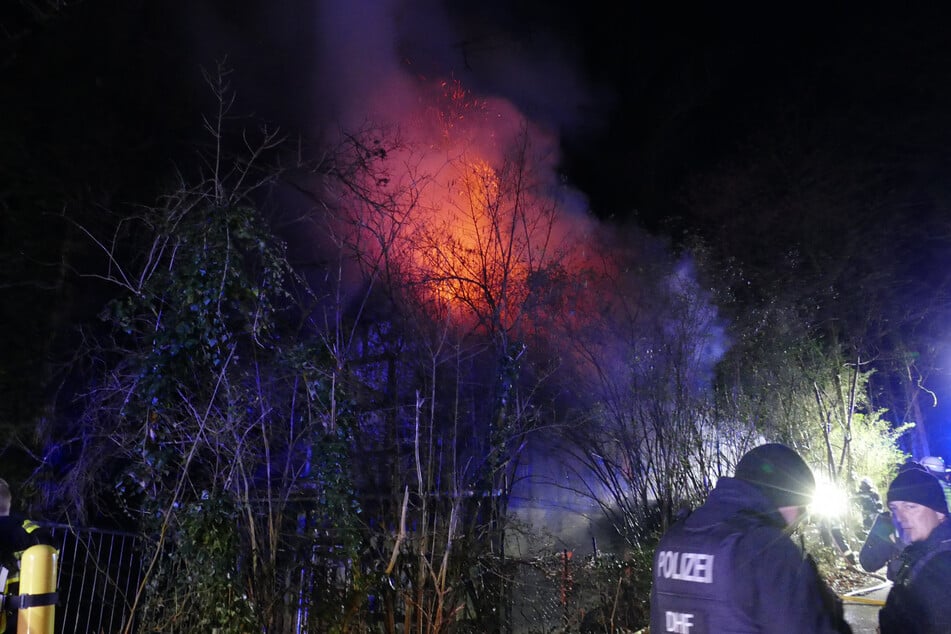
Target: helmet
x: 934, y: 464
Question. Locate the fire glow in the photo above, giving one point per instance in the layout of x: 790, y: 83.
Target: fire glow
x: 461, y: 207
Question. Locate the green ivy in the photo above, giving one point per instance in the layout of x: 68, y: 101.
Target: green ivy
x: 201, y: 581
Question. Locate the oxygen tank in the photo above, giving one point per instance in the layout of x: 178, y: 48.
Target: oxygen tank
x: 37, y: 590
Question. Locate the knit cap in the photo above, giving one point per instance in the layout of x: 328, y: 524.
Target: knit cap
x: 780, y: 473
x: 920, y: 487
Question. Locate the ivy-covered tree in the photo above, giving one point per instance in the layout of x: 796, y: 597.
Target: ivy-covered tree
x: 208, y: 414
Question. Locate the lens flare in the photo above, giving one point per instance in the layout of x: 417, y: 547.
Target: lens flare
x: 829, y: 500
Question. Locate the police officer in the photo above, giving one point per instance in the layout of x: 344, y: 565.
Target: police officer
x: 731, y: 565
x: 17, y: 533
x: 919, y: 600
x: 885, y: 540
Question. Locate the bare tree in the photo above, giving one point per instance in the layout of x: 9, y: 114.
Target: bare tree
x: 455, y: 261
x: 649, y: 439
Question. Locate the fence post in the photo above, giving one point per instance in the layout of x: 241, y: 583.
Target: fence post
x: 566, y: 585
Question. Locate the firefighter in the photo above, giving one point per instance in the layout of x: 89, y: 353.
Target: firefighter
x: 17, y: 533
x: 869, y: 502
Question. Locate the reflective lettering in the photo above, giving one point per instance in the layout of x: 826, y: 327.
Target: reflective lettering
x: 679, y: 622
x: 695, y: 567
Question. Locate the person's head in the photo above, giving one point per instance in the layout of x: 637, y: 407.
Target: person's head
x: 5, y: 497
x: 783, y: 477
x: 917, y: 503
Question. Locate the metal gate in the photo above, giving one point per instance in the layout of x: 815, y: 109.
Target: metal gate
x: 99, y: 572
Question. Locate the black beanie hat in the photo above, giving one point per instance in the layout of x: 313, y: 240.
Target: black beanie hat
x: 920, y: 487
x: 780, y: 473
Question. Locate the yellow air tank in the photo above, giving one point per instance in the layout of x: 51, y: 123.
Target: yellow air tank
x: 37, y: 590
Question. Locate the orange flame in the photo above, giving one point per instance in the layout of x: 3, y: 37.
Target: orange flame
x: 467, y: 224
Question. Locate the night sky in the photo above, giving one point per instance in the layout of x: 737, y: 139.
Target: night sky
x: 643, y: 98
x: 650, y: 105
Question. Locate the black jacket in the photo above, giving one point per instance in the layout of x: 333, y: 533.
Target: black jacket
x: 18, y: 533
x: 920, y: 599
x: 775, y: 587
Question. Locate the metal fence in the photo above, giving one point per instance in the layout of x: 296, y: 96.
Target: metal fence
x: 99, y: 571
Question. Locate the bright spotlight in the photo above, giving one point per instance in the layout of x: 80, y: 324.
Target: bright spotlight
x: 829, y: 500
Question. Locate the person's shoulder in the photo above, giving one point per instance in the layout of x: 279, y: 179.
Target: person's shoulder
x: 769, y: 534
x: 937, y: 564
x: 927, y: 567
x: 929, y: 588
x: 23, y: 529
x: 767, y: 545
x: 941, y: 553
